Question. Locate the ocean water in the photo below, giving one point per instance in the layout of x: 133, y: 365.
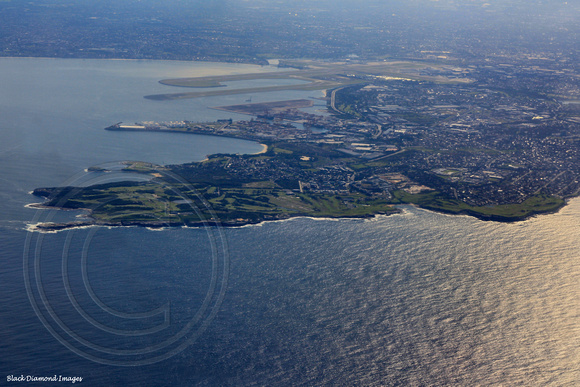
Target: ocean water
x: 418, y: 299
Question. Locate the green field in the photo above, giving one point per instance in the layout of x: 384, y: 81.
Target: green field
x: 506, y: 212
x: 123, y: 203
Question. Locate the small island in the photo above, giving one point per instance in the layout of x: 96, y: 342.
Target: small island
x: 436, y: 142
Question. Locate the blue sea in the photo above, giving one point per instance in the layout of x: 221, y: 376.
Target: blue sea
x: 413, y: 299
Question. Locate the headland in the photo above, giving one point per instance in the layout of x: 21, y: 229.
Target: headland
x: 389, y: 139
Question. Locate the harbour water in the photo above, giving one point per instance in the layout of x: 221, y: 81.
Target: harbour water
x: 417, y: 298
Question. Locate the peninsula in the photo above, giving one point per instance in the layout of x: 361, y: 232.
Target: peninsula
x: 473, y: 148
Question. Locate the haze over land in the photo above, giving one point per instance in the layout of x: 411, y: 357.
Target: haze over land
x: 251, y: 31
